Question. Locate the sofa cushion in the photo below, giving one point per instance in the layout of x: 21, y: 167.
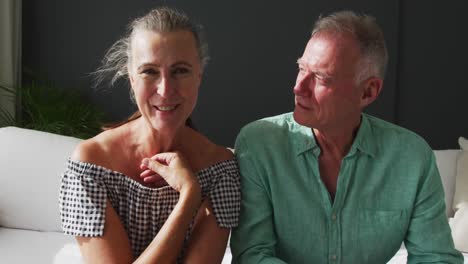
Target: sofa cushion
x: 459, y: 224
x: 461, y: 189
x: 24, y: 246
x: 31, y: 164
x: 447, y: 163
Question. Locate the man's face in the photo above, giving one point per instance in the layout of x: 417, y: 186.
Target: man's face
x: 326, y: 92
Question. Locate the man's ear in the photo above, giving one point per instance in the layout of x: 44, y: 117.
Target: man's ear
x: 371, y: 90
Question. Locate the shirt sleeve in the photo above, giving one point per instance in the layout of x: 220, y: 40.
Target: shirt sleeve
x: 82, y: 200
x: 253, y: 241
x: 429, y: 238
x: 225, y: 196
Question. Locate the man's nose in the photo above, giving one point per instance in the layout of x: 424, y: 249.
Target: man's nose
x: 303, y: 84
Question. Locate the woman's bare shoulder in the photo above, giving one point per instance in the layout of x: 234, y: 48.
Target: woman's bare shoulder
x: 212, y: 152
x: 223, y: 153
x: 94, y: 150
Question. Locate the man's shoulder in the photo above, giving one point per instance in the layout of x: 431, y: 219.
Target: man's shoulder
x: 387, y: 133
x: 272, y: 125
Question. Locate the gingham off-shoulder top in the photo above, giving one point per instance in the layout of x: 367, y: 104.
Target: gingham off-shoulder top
x: 142, y: 210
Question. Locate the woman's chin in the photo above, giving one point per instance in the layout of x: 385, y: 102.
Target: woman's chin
x: 166, y: 127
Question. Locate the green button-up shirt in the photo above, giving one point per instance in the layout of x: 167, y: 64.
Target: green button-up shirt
x: 389, y: 191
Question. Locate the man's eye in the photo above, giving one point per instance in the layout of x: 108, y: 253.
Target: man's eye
x: 322, y: 80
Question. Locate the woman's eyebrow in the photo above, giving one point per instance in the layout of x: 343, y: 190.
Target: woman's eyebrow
x: 184, y: 63
x: 148, y: 64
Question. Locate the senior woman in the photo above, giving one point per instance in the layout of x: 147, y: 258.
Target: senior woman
x: 152, y: 189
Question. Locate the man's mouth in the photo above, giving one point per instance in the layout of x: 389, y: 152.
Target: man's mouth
x: 302, y: 106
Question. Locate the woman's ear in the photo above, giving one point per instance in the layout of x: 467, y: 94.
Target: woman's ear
x: 371, y: 90
x: 199, y: 76
x: 130, y: 77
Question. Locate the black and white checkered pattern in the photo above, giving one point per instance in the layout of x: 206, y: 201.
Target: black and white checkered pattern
x: 142, y: 210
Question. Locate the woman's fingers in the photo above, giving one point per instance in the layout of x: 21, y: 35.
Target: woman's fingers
x: 150, y: 176
x: 165, y: 157
x: 172, y: 167
x: 147, y: 173
x: 171, y: 159
x: 157, y: 180
x: 155, y: 166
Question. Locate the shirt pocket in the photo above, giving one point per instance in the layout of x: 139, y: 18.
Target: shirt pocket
x: 381, y: 232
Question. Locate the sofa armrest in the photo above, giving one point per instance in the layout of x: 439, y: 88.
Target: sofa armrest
x: 31, y: 164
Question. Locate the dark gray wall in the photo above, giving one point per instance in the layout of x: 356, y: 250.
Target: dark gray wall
x: 254, y: 46
x: 432, y: 92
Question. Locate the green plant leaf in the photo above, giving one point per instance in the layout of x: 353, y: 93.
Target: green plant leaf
x: 59, y: 110
x: 6, y: 118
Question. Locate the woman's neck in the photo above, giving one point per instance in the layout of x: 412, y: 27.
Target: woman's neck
x: 146, y: 141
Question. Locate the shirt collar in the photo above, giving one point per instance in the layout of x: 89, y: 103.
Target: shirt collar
x: 364, y: 140
x: 304, y: 140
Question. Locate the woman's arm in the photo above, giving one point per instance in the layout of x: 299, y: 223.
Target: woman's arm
x: 168, y: 243
x: 208, y: 241
x: 112, y: 247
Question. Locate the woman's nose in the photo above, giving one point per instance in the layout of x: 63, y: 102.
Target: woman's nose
x: 165, y: 87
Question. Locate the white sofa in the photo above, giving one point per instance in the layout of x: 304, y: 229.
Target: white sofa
x: 31, y: 164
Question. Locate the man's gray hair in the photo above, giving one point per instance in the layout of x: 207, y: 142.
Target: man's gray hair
x: 160, y: 20
x: 367, y: 33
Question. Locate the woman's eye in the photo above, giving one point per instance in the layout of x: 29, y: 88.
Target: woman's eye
x: 149, y: 71
x: 180, y: 71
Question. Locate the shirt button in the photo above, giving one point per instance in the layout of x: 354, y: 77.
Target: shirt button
x: 333, y: 257
x: 333, y: 217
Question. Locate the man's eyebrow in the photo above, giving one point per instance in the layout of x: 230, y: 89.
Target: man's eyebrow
x: 321, y: 74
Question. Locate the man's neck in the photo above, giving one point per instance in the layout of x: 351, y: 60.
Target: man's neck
x: 334, y: 145
x: 337, y: 141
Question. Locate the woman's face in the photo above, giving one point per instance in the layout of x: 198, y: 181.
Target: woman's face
x: 165, y: 74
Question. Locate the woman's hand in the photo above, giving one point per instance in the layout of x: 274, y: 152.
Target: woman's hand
x: 171, y: 167
x: 175, y: 170
x: 150, y: 176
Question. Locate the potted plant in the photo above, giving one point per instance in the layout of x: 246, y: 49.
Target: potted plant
x: 6, y: 118
x: 48, y: 108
